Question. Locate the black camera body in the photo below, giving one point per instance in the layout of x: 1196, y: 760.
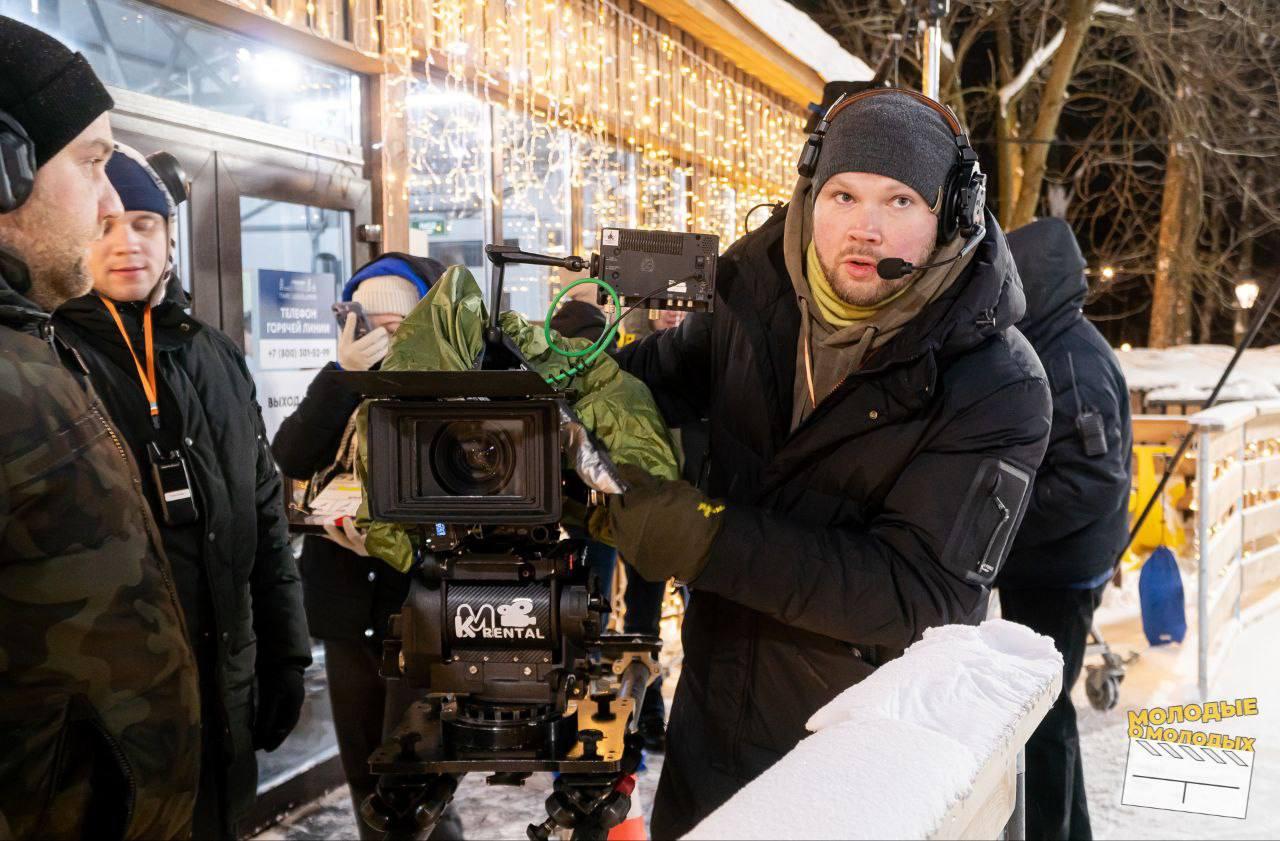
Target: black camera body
x: 502, y: 631
x: 465, y: 461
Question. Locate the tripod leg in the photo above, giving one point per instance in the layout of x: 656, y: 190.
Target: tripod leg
x: 586, y: 804
x: 408, y: 806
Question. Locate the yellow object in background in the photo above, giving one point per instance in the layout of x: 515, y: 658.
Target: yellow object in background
x: 1164, y: 525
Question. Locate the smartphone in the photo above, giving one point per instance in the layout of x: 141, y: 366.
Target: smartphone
x: 342, y: 308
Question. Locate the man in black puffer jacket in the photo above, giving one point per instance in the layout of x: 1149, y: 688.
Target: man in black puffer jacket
x: 1077, y: 521
x: 872, y: 443
x: 232, y: 564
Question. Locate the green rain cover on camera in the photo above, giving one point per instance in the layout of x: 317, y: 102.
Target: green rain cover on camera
x: 445, y: 332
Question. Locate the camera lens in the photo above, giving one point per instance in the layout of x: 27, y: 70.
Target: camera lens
x: 473, y: 458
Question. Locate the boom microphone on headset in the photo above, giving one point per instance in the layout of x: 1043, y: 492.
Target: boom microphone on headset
x: 892, y: 268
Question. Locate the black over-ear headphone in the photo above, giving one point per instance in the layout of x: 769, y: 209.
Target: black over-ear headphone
x: 171, y: 174
x: 964, y: 194
x: 17, y: 164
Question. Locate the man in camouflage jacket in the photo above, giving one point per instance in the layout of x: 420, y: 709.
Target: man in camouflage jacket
x: 99, y: 709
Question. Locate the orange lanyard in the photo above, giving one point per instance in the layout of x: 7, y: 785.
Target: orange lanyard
x: 148, y: 377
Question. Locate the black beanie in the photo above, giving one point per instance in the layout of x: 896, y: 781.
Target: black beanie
x: 890, y: 134
x: 52, y: 92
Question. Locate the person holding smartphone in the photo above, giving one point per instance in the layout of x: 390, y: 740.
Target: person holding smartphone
x: 182, y: 397
x: 350, y: 596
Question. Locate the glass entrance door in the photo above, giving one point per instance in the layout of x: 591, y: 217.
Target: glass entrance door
x: 294, y: 260
x: 286, y: 242
x: 287, y: 245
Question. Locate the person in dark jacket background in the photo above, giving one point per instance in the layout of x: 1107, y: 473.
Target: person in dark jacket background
x: 222, y: 521
x: 579, y: 317
x: 1078, y: 518
x: 350, y: 597
x: 872, y: 440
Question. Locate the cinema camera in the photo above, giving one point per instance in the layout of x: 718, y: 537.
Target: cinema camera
x: 502, y: 631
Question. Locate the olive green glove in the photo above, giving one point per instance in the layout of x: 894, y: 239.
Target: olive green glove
x: 663, y: 528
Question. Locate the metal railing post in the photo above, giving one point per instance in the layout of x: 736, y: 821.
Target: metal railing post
x: 1016, y: 829
x: 1204, y: 474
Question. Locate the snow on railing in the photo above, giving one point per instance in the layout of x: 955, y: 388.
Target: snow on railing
x: 928, y: 746
x: 1237, y: 523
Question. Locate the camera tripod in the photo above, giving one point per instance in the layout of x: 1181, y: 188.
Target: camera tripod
x: 408, y: 806
x: 591, y: 745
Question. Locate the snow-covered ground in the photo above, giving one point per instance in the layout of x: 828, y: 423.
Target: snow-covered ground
x: 1167, y: 675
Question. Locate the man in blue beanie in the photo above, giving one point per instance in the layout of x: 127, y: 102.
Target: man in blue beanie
x: 181, y: 395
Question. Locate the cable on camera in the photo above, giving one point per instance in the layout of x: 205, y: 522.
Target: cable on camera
x: 592, y: 353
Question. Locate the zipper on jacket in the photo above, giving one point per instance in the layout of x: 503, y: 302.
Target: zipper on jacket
x: 151, y: 525
x: 985, y: 567
x: 128, y: 773
x: 110, y: 431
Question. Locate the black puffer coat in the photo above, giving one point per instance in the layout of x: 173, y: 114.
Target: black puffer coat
x: 1078, y: 518
x: 348, y: 597
x: 234, y: 569
x: 845, y: 539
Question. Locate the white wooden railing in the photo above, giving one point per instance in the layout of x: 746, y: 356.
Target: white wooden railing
x: 929, y: 746
x: 1237, y: 524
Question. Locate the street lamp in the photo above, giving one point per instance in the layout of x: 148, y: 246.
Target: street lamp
x: 1246, y: 297
x: 1108, y: 272
x: 1247, y: 293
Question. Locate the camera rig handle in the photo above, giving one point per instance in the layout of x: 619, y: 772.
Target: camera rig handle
x: 500, y: 353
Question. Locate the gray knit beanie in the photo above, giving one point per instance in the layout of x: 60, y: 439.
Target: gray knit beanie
x: 890, y: 134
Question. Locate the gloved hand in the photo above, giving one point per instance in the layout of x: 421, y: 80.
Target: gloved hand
x: 662, y: 528
x: 348, y: 537
x: 280, y: 695
x: 363, y: 353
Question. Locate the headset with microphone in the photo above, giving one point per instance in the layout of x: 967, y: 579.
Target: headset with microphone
x: 891, y: 268
x: 17, y: 164
x: 964, y: 193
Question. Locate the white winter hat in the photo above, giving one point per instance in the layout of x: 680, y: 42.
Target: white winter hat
x: 386, y: 295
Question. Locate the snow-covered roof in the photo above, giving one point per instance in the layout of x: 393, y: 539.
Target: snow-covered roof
x: 798, y: 34
x: 1189, y: 372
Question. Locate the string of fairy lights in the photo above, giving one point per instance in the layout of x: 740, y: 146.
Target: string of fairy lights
x: 548, y: 102
x: 1249, y: 467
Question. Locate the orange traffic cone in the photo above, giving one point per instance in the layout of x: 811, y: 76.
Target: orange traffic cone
x: 631, y: 829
